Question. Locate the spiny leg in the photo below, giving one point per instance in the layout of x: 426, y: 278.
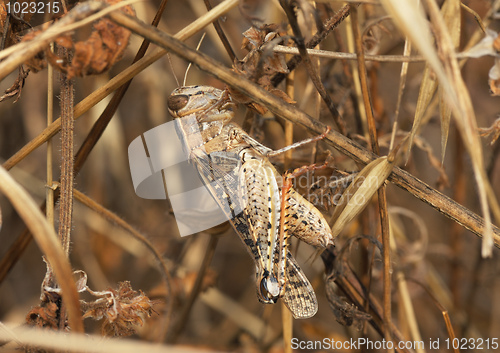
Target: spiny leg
x: 284, y: 233
x: 299, y: 144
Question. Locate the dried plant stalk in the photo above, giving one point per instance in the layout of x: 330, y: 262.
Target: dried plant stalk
x: 47, y: 241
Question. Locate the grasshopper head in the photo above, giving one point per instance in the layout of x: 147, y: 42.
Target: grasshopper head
x: 200, y: 100
x: 268, y: 288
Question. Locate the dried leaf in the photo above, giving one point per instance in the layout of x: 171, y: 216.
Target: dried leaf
x: 3, y: 14
x: 445, y: 116
x: 452, y: 18
x: 485, y: 46
x: 252, y: 38
x: 12, y: 36
x: 489, y: 45
x: 427, y: 90
x: 81, y: 282
x: 493, y: 130
x: 44, y: 316
x: 451, y: 15
x: 47, y: 314
x: 261, y: 63
x: 104, y: 47
x: 36, y: 63
x: 16, y: 25
x: 494, y: 78
x: 17, y: 87
x: 121, y: 309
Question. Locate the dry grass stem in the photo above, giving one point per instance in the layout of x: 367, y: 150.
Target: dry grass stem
x: 382, y: 198
x: 326, y: 54
x: 50, y: 117
x: 408, y: 309
x: 92, y: 343
x: 67, y: 163
x: 48, y: 243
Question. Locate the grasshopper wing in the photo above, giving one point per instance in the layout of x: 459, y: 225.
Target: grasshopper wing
x: 299, y: 296
x: 219, y: 172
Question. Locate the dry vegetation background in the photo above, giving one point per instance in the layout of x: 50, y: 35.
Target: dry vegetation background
x: 209, y: 301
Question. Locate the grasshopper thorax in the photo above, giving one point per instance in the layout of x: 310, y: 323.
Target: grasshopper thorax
x: 203, y: 101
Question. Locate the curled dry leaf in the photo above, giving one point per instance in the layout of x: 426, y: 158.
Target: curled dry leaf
x: 104, y: 47
x: 44, y: 315
x: 261, y: 63
x: 48, y: 313
x: 121, y: 309
x: 17, y: 87
x: 38, y: 62
x: 493, y: 130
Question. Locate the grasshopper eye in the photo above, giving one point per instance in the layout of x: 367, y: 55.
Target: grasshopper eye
x: 177, y: 102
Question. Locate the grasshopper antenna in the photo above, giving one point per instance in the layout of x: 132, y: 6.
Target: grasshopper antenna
x: 172, y: 68
x: 189, y: 66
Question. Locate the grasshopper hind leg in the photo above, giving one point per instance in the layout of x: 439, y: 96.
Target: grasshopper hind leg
x: 306, y: 222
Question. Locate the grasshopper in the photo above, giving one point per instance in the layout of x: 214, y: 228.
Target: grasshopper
x: 237, y: 171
